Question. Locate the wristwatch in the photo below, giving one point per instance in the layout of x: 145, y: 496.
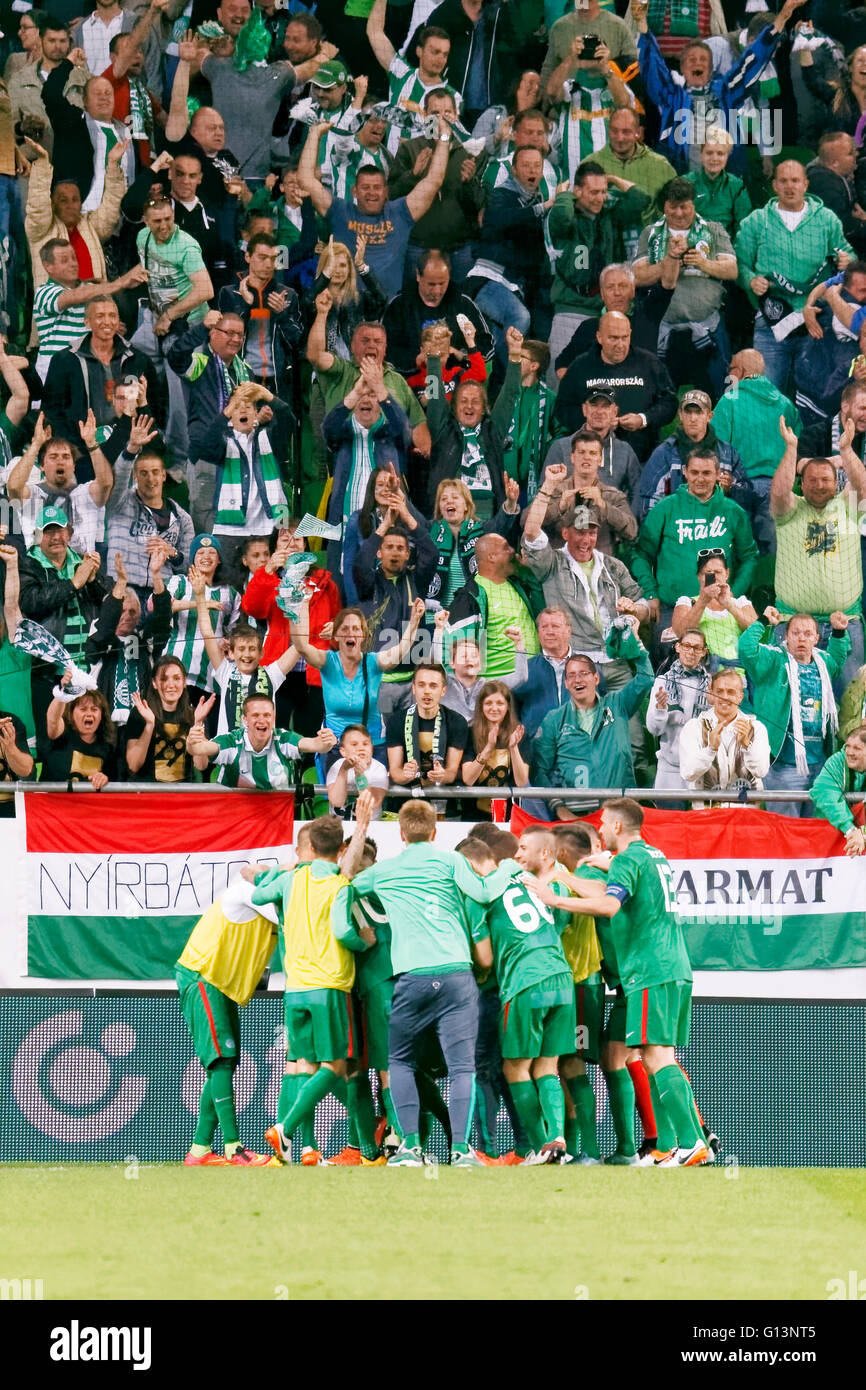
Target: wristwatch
x: 446, y: 139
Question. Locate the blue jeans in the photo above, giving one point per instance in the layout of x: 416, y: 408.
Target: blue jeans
x: 448, y: 1003
x: 503, y: 309
x: 780, y: 358
x: 785, y: 777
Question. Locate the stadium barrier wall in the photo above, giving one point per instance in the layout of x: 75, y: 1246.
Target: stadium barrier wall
x: 111, y: 1077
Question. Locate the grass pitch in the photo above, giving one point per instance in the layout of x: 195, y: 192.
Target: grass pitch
x: 98, y: 1231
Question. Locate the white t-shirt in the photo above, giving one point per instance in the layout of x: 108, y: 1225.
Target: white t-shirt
x: 376, y: 774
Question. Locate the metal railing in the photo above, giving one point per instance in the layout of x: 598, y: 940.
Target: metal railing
x: 459, y: 793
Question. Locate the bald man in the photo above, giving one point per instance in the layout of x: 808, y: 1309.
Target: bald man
x: 637, y: 379
x: 493, y: 609
x: 783, y: 249
x: 747, y: 416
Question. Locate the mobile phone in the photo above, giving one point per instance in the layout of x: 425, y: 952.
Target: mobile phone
x: 590, y: 44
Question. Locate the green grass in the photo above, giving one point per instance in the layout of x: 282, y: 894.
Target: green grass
x: 90, y: 1231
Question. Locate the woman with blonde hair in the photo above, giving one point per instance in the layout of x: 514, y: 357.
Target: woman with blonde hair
x: 455, y: 529
x: 356, y: 294
x: 496, y: 736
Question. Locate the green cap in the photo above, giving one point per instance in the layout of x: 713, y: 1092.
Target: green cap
x: 330, y: 74
x: 51, y: 516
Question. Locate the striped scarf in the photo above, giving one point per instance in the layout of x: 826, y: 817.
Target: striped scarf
x: 582, y: 121
x: 698, y: 235
x: 529, y: 433
x: 411, y: 737
x: 829, y: 714
x: 140, y: 111
x: 683, y: 17
x: 236, y: 474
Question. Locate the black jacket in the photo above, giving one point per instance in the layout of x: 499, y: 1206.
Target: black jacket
x: 407, y: 314
x: 45, y: 597
x: 640, y: 384
x: 494, y: 31
x: 388, y: 605
x: 452, y: 219
x: 512, y: 238
x: 446, y: 453
x: 649, y: 310
x: 75, y: 383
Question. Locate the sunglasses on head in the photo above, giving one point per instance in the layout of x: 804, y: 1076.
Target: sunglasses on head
x: 715, y: 554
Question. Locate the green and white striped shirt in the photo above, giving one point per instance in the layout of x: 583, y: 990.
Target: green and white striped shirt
x: 268, y: 770
x: 57, y: 328
x: 407, y: 90
x: 185, y: 642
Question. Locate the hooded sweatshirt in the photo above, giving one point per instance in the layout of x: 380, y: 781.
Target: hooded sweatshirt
x: 747, y: 416
x: 677, y: 529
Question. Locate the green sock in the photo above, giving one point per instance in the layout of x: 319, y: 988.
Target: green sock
x: 552, y: 1103
x: 308, y: 1132
x: 412, y: 1141
x: 315, y: 1089
x: 528, y: 1107
x: 223, y: 1098
x: 362, y: 1117
x: 581, y: 1092
x: 620, y: 1089
x: 390, y: 1112
x: 676, y: 1097
x: 572, y: 1135
x: 207, y: 1120
x: 667, y: 1138
x: 287, y: 1097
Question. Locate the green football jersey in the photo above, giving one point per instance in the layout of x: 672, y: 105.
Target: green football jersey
x: 373, y: 965
x: 603, y: 930
x: 647, y: 936
x: 524, y: 933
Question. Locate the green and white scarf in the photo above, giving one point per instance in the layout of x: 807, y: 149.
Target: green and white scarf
x: 698, y: 236
x: 529, y: 433
x: 75, y: 631
x: 140, y: 111
x: 236, y: 477
x: 683, y: 13
x: 463, y: 545
x: 362, y: 466
x: 411, y: 736
x: 582, y: 121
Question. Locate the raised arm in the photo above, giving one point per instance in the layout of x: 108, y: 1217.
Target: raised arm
x: 317, y: 353
x: 17, y: 485
x: 19, y: 396
x: 782, y: 499
x: 189, y: 55
x: 125, y: 54
x: 554, y: 477
x: 300, y: 631
x: 420, y: 200
x: 396, y: 655
x: 103, y: 478
x: 11, y: 590
x: 376, y: 36
x: 308, y: 177
x: 853, y: 466
x: 203, y: 618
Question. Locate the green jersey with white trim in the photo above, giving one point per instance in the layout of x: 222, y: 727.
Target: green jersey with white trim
x: 240, y: 766
x: 185, y: 642
x: 524, y: 934
x: 373, y: 965
x: 406, y: 89
x: 647, y: 936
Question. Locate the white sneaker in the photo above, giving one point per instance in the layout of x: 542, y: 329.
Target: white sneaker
x: 660, y: 1159
x: 695, y: 1157
x: 536, y: 1160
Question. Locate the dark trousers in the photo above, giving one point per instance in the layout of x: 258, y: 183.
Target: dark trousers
x: 448, y: 1003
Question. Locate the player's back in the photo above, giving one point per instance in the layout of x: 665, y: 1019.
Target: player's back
x: 230, y: 947
x: 648, y: 939
x: 425, y: 908
x: 525, y: 938
x: 314, y: 959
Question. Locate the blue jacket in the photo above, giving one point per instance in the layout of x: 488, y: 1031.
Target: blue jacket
x: 390, y: 444
x: 674, y: 100
x: 663, y: 473
x: 537, y: 696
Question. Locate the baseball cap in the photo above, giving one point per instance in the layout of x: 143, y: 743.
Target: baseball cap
x: 700, y: 399
x: 330, y: 74
x: 580, y: 518
x: 204, y: 541
x: 51, y: 516
x: 602, y: 394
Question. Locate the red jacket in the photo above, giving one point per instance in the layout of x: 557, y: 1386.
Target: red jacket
x: 260, y: 601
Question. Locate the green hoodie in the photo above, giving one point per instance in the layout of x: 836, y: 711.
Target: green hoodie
x: 678, y: 528
x: 829, y: 788
x: 747, y: 417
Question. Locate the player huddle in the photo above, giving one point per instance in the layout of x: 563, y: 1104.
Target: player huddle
x: 489, y: 963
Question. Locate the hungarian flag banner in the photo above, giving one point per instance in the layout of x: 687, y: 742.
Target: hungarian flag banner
x: 758, y: 891
x: 113, y: 884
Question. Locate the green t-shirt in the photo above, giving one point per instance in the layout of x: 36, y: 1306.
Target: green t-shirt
x: 15, y: 684
x: 647, y: 935
x: 424, y: 891
x: 505, y: 608
x: 340, y: 377
x: 525, y: 936
x: 169, y: 267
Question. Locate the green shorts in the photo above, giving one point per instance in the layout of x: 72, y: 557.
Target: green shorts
x: 659, y: 1014
x: 540, y: 1020
x: 589, y: 1009
x: 614, y: 1027
x: 212, y: 1018
x: 377, y: 1015
x: 320, y: 1025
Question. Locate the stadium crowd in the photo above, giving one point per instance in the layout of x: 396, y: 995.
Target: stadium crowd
x: 543, y: 325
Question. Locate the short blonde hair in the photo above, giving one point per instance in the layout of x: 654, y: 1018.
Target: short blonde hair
x: 417, y: 821
x: 464, y: 493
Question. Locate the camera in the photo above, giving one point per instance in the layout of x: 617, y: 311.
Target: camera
x: 590, y: 45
